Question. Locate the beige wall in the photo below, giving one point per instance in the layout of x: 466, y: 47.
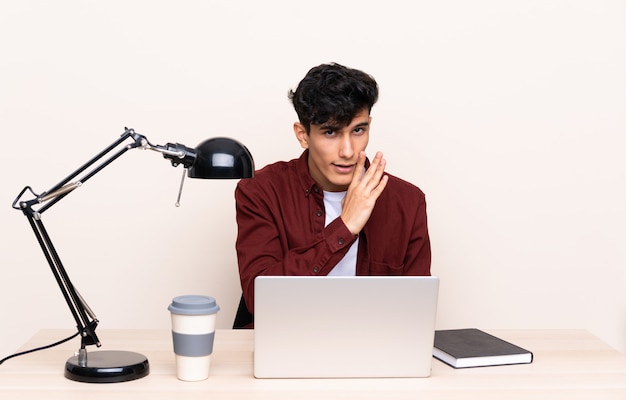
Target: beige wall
x: 509, y: 115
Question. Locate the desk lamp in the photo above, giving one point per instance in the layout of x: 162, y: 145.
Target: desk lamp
x: 216, y: 158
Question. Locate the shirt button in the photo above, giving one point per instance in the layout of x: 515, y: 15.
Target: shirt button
x: 316, y: 190
x: 340, y: 241
x: 319, y: 213
x: 316, y: 269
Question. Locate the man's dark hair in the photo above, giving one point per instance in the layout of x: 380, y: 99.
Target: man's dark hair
x: 333, y: 93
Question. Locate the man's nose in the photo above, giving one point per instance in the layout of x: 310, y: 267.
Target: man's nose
x: 347, y: 148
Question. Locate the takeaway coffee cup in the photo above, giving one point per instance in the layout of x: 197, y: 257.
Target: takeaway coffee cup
x: 193, y: 328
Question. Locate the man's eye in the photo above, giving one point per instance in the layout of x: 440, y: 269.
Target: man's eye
x: 329, y: 133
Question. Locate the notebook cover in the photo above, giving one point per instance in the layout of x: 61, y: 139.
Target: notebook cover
x: 476, y: 348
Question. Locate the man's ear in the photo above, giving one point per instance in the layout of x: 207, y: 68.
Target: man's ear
x: 301, y: 135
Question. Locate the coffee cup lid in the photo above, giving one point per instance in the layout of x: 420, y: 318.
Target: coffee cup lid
x: 194, y: 305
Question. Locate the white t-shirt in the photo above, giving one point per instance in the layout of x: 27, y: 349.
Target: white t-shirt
x: 332, y: 204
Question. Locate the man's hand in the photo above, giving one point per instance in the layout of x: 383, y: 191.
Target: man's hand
x: 363, y: 192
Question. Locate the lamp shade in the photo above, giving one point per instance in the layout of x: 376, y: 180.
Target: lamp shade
x: 222, y: 158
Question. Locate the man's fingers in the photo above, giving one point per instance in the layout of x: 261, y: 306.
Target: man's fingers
x: 381, y: 186
x: 375, y: 172
x: 371, y: 179
x: 358, y: 171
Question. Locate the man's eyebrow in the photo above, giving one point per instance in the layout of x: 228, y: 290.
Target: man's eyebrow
x: 329, y: 127
x: 333, y: 127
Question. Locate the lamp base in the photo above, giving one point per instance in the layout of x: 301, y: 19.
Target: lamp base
x: 108, y: 367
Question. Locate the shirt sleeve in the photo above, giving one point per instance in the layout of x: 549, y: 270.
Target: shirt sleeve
x: 263, y: 248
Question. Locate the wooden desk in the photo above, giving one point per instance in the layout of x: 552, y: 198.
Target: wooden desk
x: 567, y: 365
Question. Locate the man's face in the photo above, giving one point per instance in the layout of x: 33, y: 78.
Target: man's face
x: 334, y: 150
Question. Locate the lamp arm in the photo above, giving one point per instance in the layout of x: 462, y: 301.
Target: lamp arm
x: 86, y: 320
x: 64, y: 187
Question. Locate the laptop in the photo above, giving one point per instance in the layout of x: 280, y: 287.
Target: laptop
x: 344, y: 326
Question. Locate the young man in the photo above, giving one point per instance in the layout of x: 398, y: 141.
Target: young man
x: 331, y: 211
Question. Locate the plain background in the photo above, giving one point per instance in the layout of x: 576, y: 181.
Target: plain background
x: 510, y: 115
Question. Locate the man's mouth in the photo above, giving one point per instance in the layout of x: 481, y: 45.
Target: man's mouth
x: 344, y: 168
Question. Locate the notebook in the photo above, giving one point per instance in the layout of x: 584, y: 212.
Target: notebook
x: 344, y: 327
